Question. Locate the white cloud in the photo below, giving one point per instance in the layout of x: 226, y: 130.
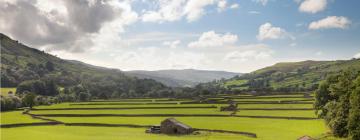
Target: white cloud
x: 172, y: 44
x: 222, y: 4
x: 319, y: 53
x: 194, y: 9
x: 313, y: 6
x: 254, y: 12
x: 56, y: 26
x: 152, y: 16
x: 330, y: 22
x: 293, y: 44
x: 109, y: 34
x: 267, y: 31
x: 234, y: 6
x: 155, y: 58
x: 169, y: 10
x: 173, y: 10
x: 357, y: 56
x: 263, y: 2
x: 212, y: 39
x: 251, y: 52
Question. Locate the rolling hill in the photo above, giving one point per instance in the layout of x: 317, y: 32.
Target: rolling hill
x: 183, y: 78
x: 289, y: 76
x: 21, y: 63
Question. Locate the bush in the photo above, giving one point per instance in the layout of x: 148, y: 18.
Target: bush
x: 29, y: 99
x: 10, y: 103
x: 354, y: 116
x: 337, y: 100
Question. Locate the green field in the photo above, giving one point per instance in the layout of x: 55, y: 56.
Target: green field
x: 5, y: 91
x: 265, y: 128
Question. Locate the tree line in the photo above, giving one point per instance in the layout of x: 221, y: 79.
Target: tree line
x: 337, y: 100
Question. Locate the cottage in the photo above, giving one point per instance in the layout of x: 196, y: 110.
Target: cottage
x: 172, y: 126
x: 306, y: 137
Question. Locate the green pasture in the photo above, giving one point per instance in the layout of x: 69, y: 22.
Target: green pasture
x: 102, y: 133
x: 265, y: 128
x: 275, y: 106
x: 273, y: 99
x: 282, y: 113
x: 5, y: 91
x: 105, y: 105
x: 14, y: 117
x: 135, y: 111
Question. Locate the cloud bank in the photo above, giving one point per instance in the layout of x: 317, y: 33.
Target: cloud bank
x: 313, y: 6
x: 330, y: 22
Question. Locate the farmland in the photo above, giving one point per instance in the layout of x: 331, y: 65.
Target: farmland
x: 128, y: 119
x: 5, y: 91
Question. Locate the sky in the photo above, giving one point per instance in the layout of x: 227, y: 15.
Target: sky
x: 229, y: 35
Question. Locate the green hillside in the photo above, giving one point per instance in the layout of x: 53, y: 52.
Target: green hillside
x: 21, y: 63
x: 290, y: 76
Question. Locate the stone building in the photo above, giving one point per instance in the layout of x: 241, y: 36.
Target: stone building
x: 172, y: 126
x: 231, y: 107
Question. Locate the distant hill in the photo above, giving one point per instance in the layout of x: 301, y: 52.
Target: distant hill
x: 285, y: 76
x: 183, y: 78
x: 21, y: 63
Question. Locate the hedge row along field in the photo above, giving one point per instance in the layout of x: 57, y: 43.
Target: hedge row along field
x: 269, y: 117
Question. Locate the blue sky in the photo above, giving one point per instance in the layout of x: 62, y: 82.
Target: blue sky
x: 231, y: 35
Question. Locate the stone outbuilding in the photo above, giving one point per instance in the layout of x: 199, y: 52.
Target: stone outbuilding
x: 172, y: 126
x: 231, y: 107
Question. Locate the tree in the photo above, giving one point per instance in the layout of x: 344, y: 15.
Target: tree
x: 10, y: 102
x: 337, y: 99
x: 29, y: 99
x: 354, y: 116
x: 51, y: 88
x: 84, y: 96
x: 322, y: 96
x: 49, y: 66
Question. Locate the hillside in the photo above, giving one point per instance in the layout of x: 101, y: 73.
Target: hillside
x: 183, y: 78
x: 299, y: 76
x: 21, y: 63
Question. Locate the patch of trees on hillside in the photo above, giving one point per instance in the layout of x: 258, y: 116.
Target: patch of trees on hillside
x: 337, y: 100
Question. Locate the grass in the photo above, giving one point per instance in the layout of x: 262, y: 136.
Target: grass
x: 14, y: 117
x: 283, y: 113
x: 5, y: 91
x: 135, y: 111
x: 266, y: 129
x: 101, y: 133
x: 68, y: 105
x: 272, y: 99
x: 275, y: 106
x: 235, y: 83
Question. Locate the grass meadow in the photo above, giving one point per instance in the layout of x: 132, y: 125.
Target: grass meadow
x: 266, y: 128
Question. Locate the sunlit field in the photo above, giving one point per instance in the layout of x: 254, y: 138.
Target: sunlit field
x: 265, y: 120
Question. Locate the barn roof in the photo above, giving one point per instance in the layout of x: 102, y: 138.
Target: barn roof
x: 173, y: 120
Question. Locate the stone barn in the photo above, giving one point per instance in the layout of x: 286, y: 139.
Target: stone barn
x: 231, y: 107
x: 172, y: 126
